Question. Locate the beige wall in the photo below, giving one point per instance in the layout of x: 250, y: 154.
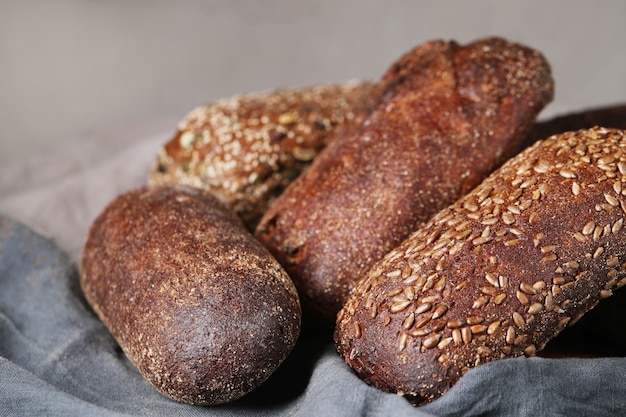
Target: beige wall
x: 71, y: 68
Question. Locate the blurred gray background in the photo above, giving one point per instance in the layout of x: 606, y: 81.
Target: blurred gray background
x: 72, y: 68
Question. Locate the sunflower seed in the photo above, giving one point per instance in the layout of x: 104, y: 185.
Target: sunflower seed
x: 431, y: 341
x: 611, y: 200
x: 493, y: 327
x: 510, y: 335
x: 492, y: 279
x: 480, y: 301
x: 408, y: 322
x: 567, y: 174
x: 399, y: 306
x: 499, y: 299
x: 530, y: 350
x: 535, y: 308
x: 518, y: 319
x: 522, y: 298
x: 444, y: 343
x: 466, y: 335
x: 440, y: 311
x: 474, y: 320
x: 456, y: 336
x: 402, y: 341
x: 527, y: 288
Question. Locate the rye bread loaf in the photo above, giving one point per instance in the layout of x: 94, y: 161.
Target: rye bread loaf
x: 194, y: 301
x: 606, y: 116
x: 498, y: 273
x: 246, y: 149
x: 450, y: 114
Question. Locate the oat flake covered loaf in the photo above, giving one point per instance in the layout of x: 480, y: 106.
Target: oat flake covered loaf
x: 498, y: 273
x: 246, y: 149
x: 450, y: 114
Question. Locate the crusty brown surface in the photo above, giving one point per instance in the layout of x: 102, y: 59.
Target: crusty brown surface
x: 498, y: 273
x: 194, y: 301
x: 450, y: 115
x: 607, y: 116
x: 246, y: 149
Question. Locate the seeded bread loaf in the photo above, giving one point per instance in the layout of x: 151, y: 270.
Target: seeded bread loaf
x: 450, y: 115
x: 247, y: 148
x: 600, y: 332
x: 498, y: 273
x: 195, y: 302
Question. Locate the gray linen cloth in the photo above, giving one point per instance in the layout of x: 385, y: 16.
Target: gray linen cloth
x: 57, y: 359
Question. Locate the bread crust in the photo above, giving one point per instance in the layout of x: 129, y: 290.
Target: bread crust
x: 613, y: 116
x: 194, y: 301
x: 450, y: 114
x: 247, y: 148
x: 498, y: 273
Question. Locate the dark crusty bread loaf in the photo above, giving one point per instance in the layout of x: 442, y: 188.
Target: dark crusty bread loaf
x: 613, y: 116
x: 449, y: 116
x: 195, y: 302
x: 245, y: 149
x: 498, y: 273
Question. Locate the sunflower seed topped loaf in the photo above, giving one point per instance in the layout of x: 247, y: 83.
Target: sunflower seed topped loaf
x: 498, y: 273
x: 195, y: 302
x: 450, y: 115
x: 245, y: 149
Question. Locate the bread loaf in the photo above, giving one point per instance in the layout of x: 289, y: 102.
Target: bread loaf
x: 607, y: 116
x: 450, y: 114
x: 498, y: 273
x: 247, y: 148
x: 600, y: 332
x: 195, y: 302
